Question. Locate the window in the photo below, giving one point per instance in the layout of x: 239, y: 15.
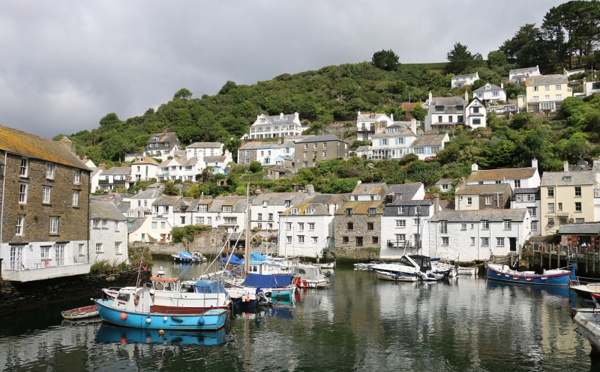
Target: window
x: 400, y: 211
x: 98, y: 247
x: 20, y: 224
x: 117, y: 227
x: 485, y: 242
x: 476, y: 110
x: 22, y: 193
x: 105, y: 224
x: 507, y: 224
x: 535, y: 89
x: 24, y: 167
x: 45, y: 252
x: 46, y: 195
x: 372, y: 211
x: 75, y: 200
x: 463, y: 226
x: 200, y: 220
x: 270, y: 217
x: 349, y: 226
x: 577, y: 206
x: 288, y: 226
x: 400, y: 238
x: 314, y: 239
x: 50, y: 170
x: 81, y: 249
x: 54, y: 225
x: 500, y: 242
x: 227, y: 208
x: 577, y: 192
x: 203, y: 208
x: 400, y: 224
x: 300, y: 226
x: 485, y: 225
x: 558, y: 97
x: 370, y: 226
x: 311, y: 226
x: 295, y: 210
x: 469, y: 201
x: 550, y: 192
x: 558, y: 87
x: 472, y: 240
x: 118, y: 248
x: 208, y: 220
x: 476, y: 121
x: 348, y: 211
x: 445, y: 241
x: 345, y: 239
x: 375, y: 240
x: 260, y: 216
x: 162, y: 224
x: 439, y: 119
x: 359, y: 241
x: 288, y: 239
x: 560, y: 206
x: 550, y: 207
x: 488, y: 200
x: 534, y: 225
x: 532, y: 211
x: 154, y: 224
x: 77, y: 177
x: 300, y: 238
x: 517, y: 183
x: 444, y: 227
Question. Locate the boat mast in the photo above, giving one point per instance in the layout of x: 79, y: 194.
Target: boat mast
x: 247, y: 251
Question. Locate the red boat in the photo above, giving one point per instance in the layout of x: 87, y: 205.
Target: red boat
x: 80, y: 312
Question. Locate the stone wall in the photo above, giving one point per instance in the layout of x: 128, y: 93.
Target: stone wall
x: 16, y: 296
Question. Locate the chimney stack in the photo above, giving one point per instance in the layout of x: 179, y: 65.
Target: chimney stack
x: 566, y: 166
x: 436, y: 203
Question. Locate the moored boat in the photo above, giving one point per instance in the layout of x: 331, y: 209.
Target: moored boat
x: 326, y: 265
x: 557, y: 277
x: 187, y: 257
x: 310, y: 276
x: 84, y: 312
x: 468, y: 270
x: 132, y: 308
x: 412, y: 268
x: 111, y: 334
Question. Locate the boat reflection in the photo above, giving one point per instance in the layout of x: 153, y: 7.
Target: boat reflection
x: 111, y: 334
x: 561, y: 291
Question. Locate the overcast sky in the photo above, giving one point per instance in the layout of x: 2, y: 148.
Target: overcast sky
x: 67, y: 63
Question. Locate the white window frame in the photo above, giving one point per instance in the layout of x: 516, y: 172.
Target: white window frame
x: 50, y: 169
x: 24, y: 170
x: 54, y: 224
x: 118, y: 248
x: 77, y: 177
x: 400, y: 224
x: 311, y: 226
x: 23, y: 193
x: 45, y: 252
x: 47, y: 193
x: 75, y: 200
x: 99, y: 248
x: 20, y: 225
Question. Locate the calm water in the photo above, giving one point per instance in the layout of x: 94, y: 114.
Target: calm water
x: 358, y: 324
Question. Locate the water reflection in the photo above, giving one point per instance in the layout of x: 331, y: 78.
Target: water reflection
x: 111, y: 334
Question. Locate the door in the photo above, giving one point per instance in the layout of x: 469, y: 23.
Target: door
x: 16, y: 257
x: 59, y: 255
x: 513, y: 244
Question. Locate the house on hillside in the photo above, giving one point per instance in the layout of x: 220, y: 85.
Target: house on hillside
x: 309, y: 151
x: 404, y: 226
x: 459, y: 81
x: 477, y: 197
x: 490, y: 93
x: 370, y: 123
x: 44, y: 208
x: 282, y: 125
x: 446, y: 113
x: 357, y: 224
x: 108, y: 233
x: 545, y: 93
x: 115, y: 177
x: 162, y: 145
x: 527, y: 177
x: 266, y: 153
x: 519, y: 75
x: 144, y: 169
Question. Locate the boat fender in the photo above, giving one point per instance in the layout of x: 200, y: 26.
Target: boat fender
x: 201, y: 321
x: 148, y: 320
x: 177, y: 319
x: 165, y: 318
x: 123, y: 316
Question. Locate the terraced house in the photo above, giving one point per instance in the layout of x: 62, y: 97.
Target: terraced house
x: 44, y: 194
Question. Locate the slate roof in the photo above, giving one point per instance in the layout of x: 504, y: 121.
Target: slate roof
x: 237, y: 202
x: 163, y: 137
x: 492, y: 215
x: 371, y: 117
x: 404, y: 130
x: 148, y: 194
x: 205, y: 145
x: 255, y: 145
x: 429, y: 140
x: 527, y: 190
x: 144, y: 160
x: 280, y: 119
x: 135, y: 223
x: 501, y: 174
x: 279, y: 198
x: 407, y: 190
x: 325, y: 138
x: 548, y: 80
x: 361, y: 207
x: 523, y: 70
x: 484, y: 189
x: 31, y: 146
x: 216, y: 159
x: 106, y: 211
x: 117, y: 171
x: 488, y: 87
x: 562, y: 178
x: 319, y: 209
x: 370, y: 189
x: 580, y: 229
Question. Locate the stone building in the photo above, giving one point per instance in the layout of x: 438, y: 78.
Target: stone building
x: 44, y: 194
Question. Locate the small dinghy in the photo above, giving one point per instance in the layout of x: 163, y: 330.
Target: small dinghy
x: 80, y: 312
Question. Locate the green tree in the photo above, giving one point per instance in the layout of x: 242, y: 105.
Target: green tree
x: 460, y: 59
x: 183, y: 93
x: 255, y: 167
x: 496, y: 58
x: 385, y: 60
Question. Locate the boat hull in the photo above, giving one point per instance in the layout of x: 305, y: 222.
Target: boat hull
x: 396, y: 277
x: 211, y: 320
x: 111, y: 334
x: 557, y: 279
x: 80, y: 313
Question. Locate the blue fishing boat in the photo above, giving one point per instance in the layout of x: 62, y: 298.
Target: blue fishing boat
x: 503, y: 273
x: 111, y: 334
x: 132, y: 308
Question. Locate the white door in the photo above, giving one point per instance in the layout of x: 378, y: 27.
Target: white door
x: 59, y: 255
x: 16, y: 258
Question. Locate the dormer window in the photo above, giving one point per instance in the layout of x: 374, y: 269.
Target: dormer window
x: 372, y: 211
x: 400, y: 211
x: 310, y: 210
x: 288, y: 203
x: 348, y: 211
x: 294, y: 210
x: 227, y: 208
x: 265, y: 203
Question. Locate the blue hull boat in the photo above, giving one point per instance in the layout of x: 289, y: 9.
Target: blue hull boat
x: 504, y: 273
x: 131, y: 308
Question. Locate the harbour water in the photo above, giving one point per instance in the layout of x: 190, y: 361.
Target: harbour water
x: 358, y: 324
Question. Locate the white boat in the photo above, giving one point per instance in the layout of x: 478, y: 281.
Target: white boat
x: 80, y: 313
x: 310, y: 276
x: 187, y: 296
x: 589, y: 325
x: 411, y: 268
x: 326, y: 265
x: 586, y: 290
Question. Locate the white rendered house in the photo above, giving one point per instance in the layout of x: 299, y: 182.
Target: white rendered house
x: 108, y: 233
